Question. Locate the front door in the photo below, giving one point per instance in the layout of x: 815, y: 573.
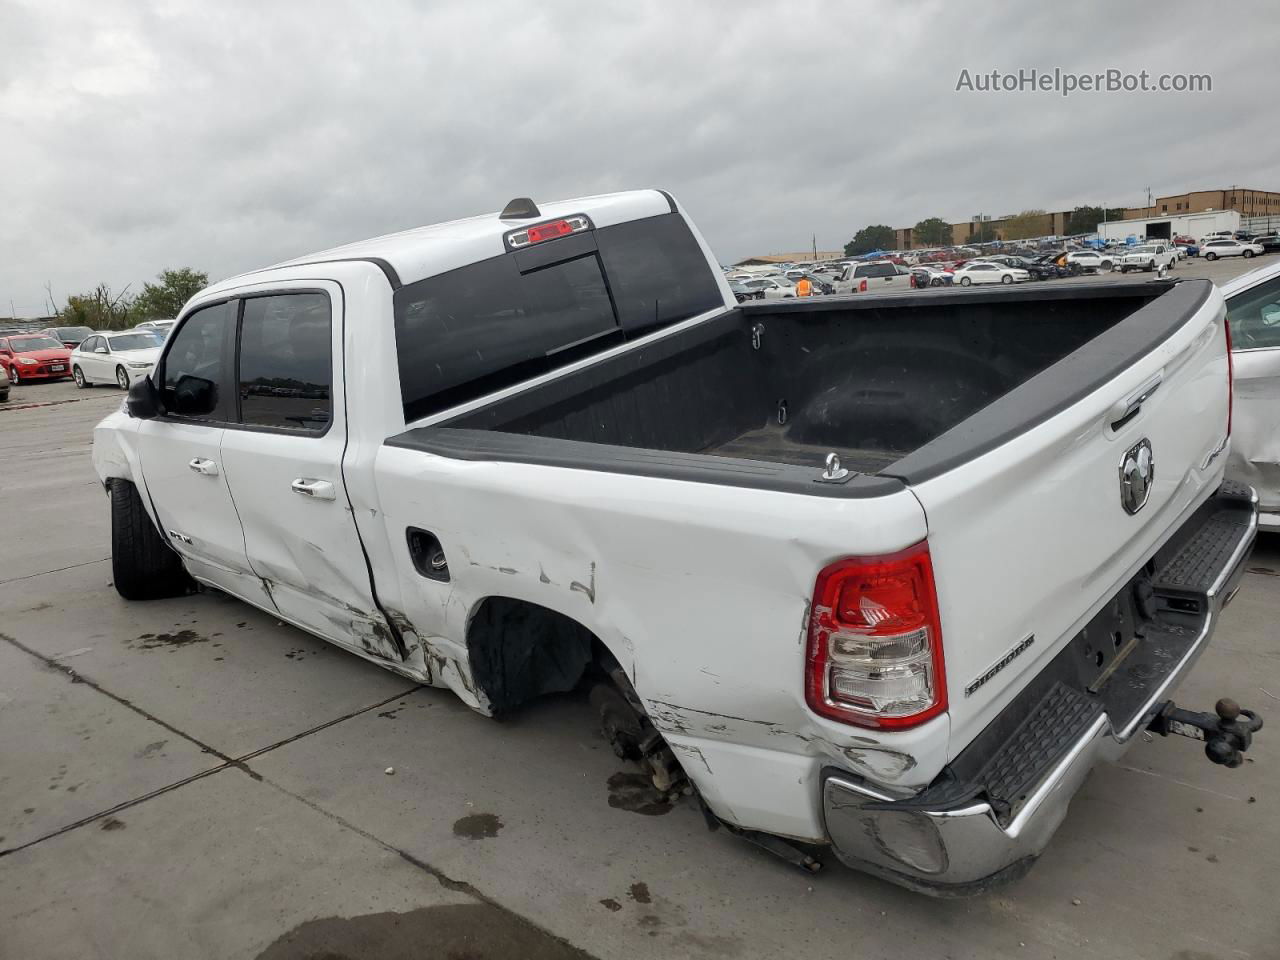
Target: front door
x: 284, y: 465
x: 182, y: 468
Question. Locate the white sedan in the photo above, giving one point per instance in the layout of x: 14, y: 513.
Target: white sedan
x: 1253, y: 312
x: 980, y: 272
x: 118, y: 358
x: 771, y: 288
x: 1227, y: 247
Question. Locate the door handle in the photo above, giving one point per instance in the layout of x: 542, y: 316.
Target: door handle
x: 203, y: 466
x: 1125, y: 410
x: 315, y: 489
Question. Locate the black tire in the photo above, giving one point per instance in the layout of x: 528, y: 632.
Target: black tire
x: 142, y: 564
x: 1006, y: 279
x: 1248, y: 254
x: 78, y: 376
x: 1211, y: 256
x: 122, y: 378
x: 15, y: 378
x: 965, y: 281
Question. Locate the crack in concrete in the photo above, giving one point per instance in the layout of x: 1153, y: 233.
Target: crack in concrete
x: 45, y: 573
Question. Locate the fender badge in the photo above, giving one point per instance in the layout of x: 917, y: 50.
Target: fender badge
x: 1000, y: 664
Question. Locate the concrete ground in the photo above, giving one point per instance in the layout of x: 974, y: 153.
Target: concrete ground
x: 190, y: 778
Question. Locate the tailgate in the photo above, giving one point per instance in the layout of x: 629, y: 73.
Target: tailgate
x: 1034, y: 534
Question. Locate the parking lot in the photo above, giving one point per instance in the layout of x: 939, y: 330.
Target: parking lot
x: 191, y: 777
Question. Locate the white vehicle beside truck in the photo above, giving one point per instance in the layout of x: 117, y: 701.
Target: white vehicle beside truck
x: 882, y: 575
x: 1148, y: 256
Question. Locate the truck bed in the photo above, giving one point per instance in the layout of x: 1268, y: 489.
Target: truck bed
x: 893, y: 385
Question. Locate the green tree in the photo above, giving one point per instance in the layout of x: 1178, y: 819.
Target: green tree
x: 165, y: 299
x: 100, y: 309
x: 1086, y: 219
x: 934, y: 232
x: 875, y: 237
x: 1028, y: 223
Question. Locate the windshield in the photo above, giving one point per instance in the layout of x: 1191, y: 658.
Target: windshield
x: 73, y: 333
x: 135, y: 341
x: 18, y: 344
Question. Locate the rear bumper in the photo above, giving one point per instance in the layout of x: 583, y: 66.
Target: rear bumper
x: 960, y: 836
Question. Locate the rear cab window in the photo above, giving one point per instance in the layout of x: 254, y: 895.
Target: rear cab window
x: 491, y: 324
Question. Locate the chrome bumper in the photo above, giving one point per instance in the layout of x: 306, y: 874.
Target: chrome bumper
x: 960, y: 852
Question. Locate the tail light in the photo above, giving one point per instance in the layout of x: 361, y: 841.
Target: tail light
x: 862, y: 287
x: 1231, y: 375
x: 913, y: 280
x: 875, y: 644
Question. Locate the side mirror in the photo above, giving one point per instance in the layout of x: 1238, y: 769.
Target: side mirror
x: 144, y: 400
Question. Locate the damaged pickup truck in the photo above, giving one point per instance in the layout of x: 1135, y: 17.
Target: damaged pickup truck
x: 883, y: 574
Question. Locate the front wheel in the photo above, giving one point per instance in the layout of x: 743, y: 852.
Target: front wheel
x: 78, y: 376
x: 1107, y: 266
x: 143, y: 566
x: 1248, y: 254
x: 122, y: 378
x: 1006, y: 279
x: 965, y: 281
x: 14, y: 377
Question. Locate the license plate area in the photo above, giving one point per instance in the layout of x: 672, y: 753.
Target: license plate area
x: 57, y: 367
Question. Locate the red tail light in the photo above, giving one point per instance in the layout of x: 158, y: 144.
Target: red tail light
x: 862, y: 287
x: 875, y: 643
x: 913, y: 280
x: 551, y: 230
x: 1231, y: 375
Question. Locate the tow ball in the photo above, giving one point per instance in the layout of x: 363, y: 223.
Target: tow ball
x: 1227, y: 733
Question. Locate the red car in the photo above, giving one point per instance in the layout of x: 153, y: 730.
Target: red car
x: 34, y: 356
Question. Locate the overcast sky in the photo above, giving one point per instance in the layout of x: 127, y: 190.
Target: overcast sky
x: 225, y: 135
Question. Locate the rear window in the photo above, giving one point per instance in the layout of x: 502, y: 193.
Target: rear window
x: 485, y: 326
x: 875, y: 270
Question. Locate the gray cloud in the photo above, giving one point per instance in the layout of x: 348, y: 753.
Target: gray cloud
x: 226, y: 136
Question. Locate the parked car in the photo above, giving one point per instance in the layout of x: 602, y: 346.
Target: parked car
x: 69, y: 337
x: 1269, y: 242
x: 160, y: 326
x: 1046, y: 267
x: 34, y: 356
x: 649, y: 493
x: 1253, y: 311
x: 1188, y: 249
x: 4, y: 381
x: 874, y: 276
x: 118, y: 358
x: 771, y: 288
x: 1017, y: 262
x: 932, y: 275
x: 980, y: 271
x: 742, y: 292
x: 1223, y: 247
x: 1148, y: 256
x: 1091, y: 261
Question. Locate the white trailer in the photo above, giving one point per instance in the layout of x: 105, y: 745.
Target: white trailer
x: 1195, y: 225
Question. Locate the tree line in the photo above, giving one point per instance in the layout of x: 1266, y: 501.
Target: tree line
x: 936, y: 232
x: 104, y: 309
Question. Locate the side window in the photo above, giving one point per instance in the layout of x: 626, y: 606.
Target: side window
x: 1254, y: 316
x: 286, y: 362
x: 192, y: 380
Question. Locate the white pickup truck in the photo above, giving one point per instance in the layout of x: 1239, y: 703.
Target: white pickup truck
x: 885, y: 575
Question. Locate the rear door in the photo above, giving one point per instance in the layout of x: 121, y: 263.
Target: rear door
x: 1254, y: 314
x: 283, y: 457
x: 1031, y: 538
x: 180, y: 452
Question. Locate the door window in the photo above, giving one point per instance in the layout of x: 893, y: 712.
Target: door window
x: 192, y: 380
x: 1254, y: 316
x: 286, y: 362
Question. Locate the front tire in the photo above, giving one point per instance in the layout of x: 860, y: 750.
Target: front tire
x: 1248, y: 254
x: 122, y: 378
x: 15, y: 378
x: 1006, y: 279
x: 78, y: 376
x: 142, y: 564
x: 1211, y: 256
x: 965, y: 281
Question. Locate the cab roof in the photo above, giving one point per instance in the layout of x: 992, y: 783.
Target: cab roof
x: 421, y: 252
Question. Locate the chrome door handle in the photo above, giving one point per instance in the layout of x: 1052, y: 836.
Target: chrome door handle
x: 206, y: 467
x: 315, y: 489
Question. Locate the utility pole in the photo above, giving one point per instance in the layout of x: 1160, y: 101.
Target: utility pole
x: 1150, y: 208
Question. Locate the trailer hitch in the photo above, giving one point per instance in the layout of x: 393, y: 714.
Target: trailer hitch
x: 1227, y: 733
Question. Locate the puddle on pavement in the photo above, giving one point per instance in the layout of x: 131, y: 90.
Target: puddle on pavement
x: 478, y: 931
x: 635, y: 792
x: 477, y: 826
